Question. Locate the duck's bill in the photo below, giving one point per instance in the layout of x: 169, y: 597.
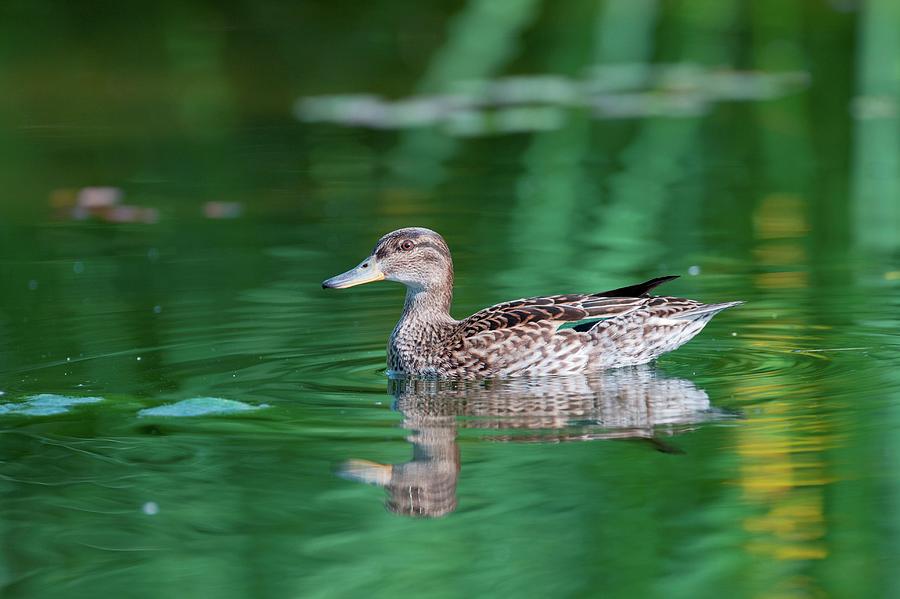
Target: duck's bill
x: 366, y: 272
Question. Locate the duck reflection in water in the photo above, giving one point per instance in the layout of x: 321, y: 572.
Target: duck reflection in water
x: 633, y: 403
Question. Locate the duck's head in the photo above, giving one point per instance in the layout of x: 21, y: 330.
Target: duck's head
x: 417, y: 257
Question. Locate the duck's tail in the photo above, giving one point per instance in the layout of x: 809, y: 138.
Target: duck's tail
x: 665, y: 324
x: 709, y: 310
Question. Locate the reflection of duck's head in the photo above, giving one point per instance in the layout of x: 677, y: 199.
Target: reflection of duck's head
x: 418, y: 488
x: 629, y: 403
x: 426, y: 485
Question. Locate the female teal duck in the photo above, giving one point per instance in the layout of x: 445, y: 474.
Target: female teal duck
x: 524, y: 337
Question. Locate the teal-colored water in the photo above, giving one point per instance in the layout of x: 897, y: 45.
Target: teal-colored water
x: 186, y: 413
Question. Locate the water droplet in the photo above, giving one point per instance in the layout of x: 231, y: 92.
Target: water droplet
x: 32, y: 284
x: 78, y: 268
x: 694, y: 270
x: 153, y: 254
x: 157, y: 309
x: 138, y: 358
x: 150, y: 508
x: 733, y: 334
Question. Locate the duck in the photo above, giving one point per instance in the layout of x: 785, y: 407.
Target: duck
x: 536, y: 336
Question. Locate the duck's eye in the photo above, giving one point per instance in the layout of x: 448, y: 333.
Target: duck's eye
x: 406, y: 245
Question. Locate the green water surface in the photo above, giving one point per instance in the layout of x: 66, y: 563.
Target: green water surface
x: 184, y: 412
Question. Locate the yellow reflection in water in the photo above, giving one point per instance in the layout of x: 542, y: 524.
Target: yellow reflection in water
x: 780, y: 253
x: 781, y: 449
x: 780, y: 223
x: 783, y: 473
x: 779, y: 216
x: 782, y: 280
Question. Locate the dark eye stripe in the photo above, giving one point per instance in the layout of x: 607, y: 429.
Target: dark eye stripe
x: 391, y: 242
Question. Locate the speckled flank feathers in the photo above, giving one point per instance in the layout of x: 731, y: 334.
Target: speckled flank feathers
x: 522, y: 337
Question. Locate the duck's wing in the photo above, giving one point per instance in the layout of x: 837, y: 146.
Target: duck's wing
x: 556, y: 310
x: 639, y: 290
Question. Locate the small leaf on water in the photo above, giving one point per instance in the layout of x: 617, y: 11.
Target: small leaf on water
x: 200, y: 406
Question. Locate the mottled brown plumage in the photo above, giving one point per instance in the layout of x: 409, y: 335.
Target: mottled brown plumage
x: 530, y: 336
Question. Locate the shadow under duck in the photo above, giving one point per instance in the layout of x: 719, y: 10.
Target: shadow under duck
x: 555, y: 334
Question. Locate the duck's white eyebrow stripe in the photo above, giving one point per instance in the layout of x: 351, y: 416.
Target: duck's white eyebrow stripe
x: 385, y: 247
x: 439, y: 248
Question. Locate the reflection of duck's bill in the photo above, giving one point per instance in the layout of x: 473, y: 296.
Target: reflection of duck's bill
x: 364, y: 471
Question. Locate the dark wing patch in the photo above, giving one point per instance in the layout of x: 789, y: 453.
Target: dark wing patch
x: 639, y: 290
x: 583, y: 327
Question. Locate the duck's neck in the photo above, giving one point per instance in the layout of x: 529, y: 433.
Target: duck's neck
x: 423, y: 327
x: 427, y: 306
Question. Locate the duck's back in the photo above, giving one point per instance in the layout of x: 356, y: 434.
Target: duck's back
x: 548, y: 335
